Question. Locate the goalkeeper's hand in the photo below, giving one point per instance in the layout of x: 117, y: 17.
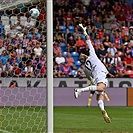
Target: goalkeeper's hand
x: 84, y: 29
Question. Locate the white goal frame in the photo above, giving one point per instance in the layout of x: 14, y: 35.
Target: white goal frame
x: 49, y: 66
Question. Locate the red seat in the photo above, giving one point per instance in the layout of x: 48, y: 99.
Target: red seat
x: 130, y: 73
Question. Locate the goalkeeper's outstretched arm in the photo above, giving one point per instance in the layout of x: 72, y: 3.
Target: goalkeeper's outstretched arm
x: 87, y: 37
x: 88, y: 41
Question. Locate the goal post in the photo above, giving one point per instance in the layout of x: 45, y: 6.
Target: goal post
x: 26, y: 89
x: 50, y: 66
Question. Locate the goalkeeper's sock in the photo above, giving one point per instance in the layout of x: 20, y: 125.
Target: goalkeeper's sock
x: 101, y: 104
x: 88, y: 88
x: 89, y: 101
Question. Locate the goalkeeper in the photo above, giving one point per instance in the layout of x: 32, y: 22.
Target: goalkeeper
x: 92, y: 83
x: 94, y: 68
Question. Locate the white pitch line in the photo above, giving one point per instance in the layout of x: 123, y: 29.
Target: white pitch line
x: 4, y: 131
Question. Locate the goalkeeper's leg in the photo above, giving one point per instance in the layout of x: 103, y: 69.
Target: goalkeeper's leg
x: 100, y: 98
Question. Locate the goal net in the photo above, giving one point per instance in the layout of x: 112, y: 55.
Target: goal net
x: 22, y: 67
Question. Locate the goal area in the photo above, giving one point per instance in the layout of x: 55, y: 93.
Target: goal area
x: 23, y: 94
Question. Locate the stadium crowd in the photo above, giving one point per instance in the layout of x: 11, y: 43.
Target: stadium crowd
x: 109, y: 24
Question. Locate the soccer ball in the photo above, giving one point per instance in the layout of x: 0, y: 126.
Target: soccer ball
x: 34, y: 13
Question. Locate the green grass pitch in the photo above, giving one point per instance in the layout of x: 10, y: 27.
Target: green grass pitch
x: 66, y: 120
x: 90, y: 120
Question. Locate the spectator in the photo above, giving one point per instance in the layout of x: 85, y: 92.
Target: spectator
x: 112, y: 49
x: 25, y: 42
x: 93, y: 15
x: 66, y: 6
x: 85, y: 50
x: 121, y: 19
x: 38, y: 51
x: 7, y: 70
x: 18, y: 19
x: 6, y: 41
x: 42, y: 61
x: 123, y: 32
x: 98, y: 23
x: 80, y: 44
x: 115, y: 60
x: 29, y: 25
x: 56, y: 49
x: 60, y: 17
x: 71, y: 45
x: 37, y: 72
x: 128, y: 60
x: 42, y: 15
x: 112, y: 16
x: 18, y: 26
x: 107, y: 59
x: 16, y: 41
x: 4, y: 57
x: 61, y: 38
x: 57, y: 72
x: 12, y: 31
x: 69, y: 18
x: 34, y: 62
x: 125, y: 40
x: 127, y: 7
x: 116, y: 8
x: 43, y: 43
x: 80, y: 72
x: 107, y: 25
x: 118, y: 41
x: 120, y: 70
x: 84, y: 13
x: 19, y: 51
x: 10, y: 49
x: 43, y: 71
x: 22, y: 66
x: 129, y: 18
x: 60, y: 59
x: 33, y: 40
x: 76, y: 15
x: 106, y: 42
x: 16, y: 70
x: 14, y: 59
x: 128, y: 48
x: 29, y: 71
x: 101, y: 53
x: 97, y: 41
x: 70, y: 61
x: 76, y: 33
x: 42, y: 26
x: 26, y: 59
x: 115, y: 26
x: 66, y: 69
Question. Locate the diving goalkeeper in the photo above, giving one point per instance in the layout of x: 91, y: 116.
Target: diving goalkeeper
x: 94, y: 68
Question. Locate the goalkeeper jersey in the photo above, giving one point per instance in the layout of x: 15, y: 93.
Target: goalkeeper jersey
x: 93, y: 65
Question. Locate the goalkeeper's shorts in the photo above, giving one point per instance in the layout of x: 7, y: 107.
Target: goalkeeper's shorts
x: 101, y: 78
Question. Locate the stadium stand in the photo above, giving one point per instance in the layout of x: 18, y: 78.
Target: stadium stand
x: 101, y: 19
